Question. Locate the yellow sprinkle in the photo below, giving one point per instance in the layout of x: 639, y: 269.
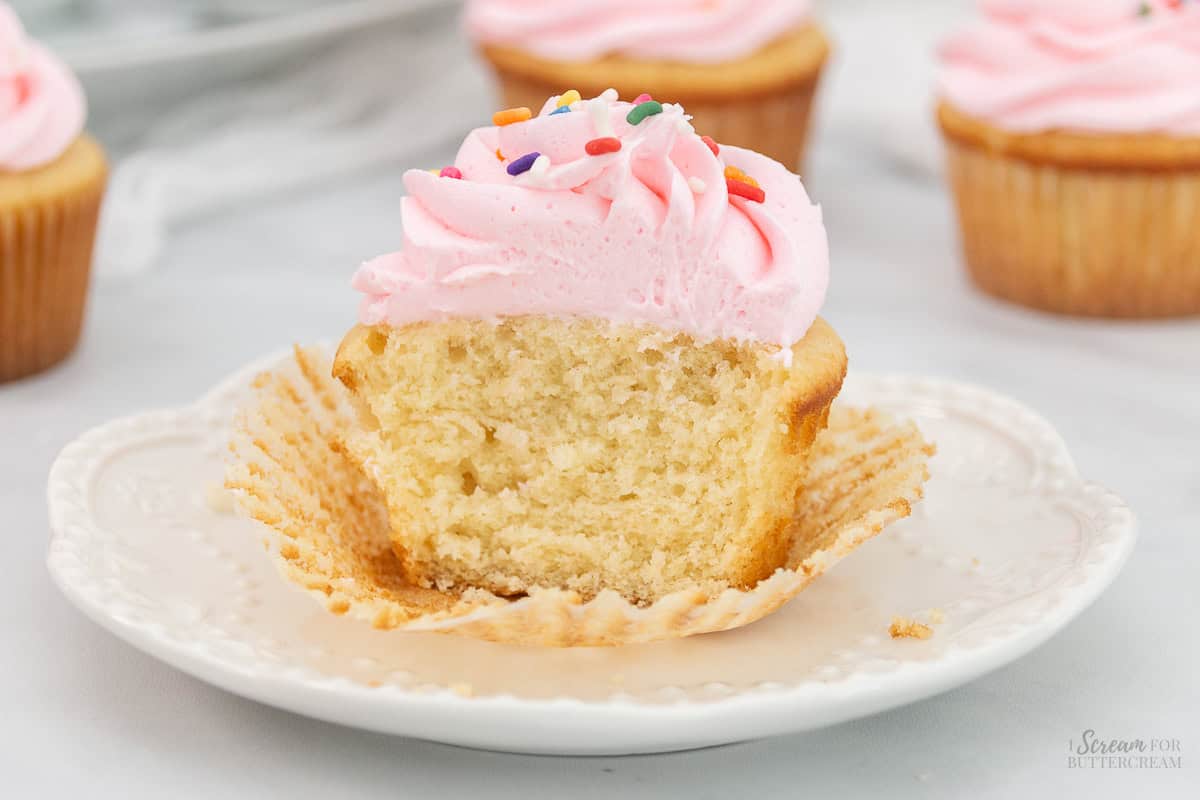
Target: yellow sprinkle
x: 510, y: 115
x: 437, y: 172
x: 568, y: 97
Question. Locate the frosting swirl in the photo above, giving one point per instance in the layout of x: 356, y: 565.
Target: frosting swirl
x: 649, y: 233
x: 695, y: 31
x: 1109, y: 66
x: 41, y: 103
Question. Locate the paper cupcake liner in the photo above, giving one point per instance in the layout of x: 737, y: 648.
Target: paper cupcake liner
x: 327, y: 525
x: 763, y: 102
x: 48, y: 223
x: 1107, y: 239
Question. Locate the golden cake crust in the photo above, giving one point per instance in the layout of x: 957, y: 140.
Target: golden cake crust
x: 794, y: 59
x: 1146, y: 151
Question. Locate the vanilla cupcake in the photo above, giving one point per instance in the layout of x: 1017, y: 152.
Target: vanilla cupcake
x: 52, y: 178
x: 597, y: 362
x: 747, y: 70
x: 1073, y: 138
x: 588, y: 403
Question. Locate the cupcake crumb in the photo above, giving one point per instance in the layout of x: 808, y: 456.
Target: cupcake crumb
x: 904, y: 628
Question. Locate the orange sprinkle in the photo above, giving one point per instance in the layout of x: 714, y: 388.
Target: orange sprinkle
x: 499, y: 155
x: 735, y: 174
x: 510, y: 115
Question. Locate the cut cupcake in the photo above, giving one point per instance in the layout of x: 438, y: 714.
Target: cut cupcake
x: 1073, y: 142
x: 589, y: 402
x: 747, y: 70
x: 596, y: 363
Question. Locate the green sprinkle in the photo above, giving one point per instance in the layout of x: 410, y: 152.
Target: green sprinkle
x: 1144, y: 10
x: 643, y: 110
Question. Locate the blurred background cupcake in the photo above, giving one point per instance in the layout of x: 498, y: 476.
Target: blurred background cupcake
x: 1073, y: 138
x: 52, y: 179
x: 747, y: 70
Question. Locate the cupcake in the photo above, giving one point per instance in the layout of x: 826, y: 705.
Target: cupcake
x: 597, y: 361
x: 52, y: 178
x: 588, y: 403
x: 747, y: 70
x: 1073, y: 140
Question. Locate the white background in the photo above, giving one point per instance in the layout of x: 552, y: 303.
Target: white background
x: 82, y: 714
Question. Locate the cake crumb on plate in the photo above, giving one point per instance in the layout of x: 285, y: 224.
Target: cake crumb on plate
x: 904, y: 628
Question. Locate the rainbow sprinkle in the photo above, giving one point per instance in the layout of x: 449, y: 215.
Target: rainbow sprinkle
x: 644, y: 97
x: 510, y: 115
x: 566, y: 98
x: 643, y: 110
x: 737, y: 188
x: 522, y: 164
x: 561, y: 110
x: 735, y: 174
x: 712, y: 145
x: 605, y: 144
x: 451, y: 172
x: 1146, y: 9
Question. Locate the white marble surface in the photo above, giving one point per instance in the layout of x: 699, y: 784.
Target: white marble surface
x: 86, y: 715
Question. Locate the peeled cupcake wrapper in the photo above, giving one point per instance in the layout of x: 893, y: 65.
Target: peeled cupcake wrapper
x: 327, y: 525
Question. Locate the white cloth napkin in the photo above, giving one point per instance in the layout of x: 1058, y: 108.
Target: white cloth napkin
x: 376, y: 98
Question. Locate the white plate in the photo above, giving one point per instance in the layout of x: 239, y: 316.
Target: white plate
x: 1009, y: 545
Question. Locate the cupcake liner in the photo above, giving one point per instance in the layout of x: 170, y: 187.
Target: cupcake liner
x: 762, y: 102
x: 48, y: 223
x: 1097, y: 230
x: 327, y: 525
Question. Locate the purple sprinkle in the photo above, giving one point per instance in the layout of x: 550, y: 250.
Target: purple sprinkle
x: 523, y: 163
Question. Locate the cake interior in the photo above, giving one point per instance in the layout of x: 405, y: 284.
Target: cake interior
x: 585, y: 455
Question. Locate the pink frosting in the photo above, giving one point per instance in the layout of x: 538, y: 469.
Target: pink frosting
x: 695, y: 31
x: 1106, y: 66
x: 648, y: 234
x: 41, y: 103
